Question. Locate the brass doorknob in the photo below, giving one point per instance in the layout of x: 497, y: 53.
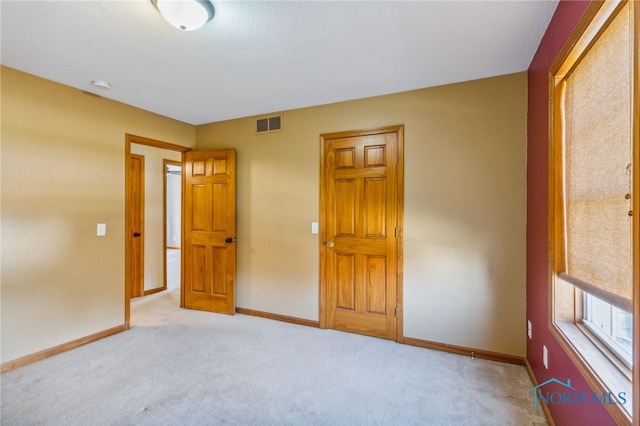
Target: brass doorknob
x: 329, y: 244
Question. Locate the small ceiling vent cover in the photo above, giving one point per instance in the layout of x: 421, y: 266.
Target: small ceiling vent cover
x: 269, y: 124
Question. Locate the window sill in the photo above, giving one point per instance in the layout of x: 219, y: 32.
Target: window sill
x: 601, y: 372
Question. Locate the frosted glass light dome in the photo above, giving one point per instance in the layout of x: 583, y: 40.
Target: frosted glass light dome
x: 185, y: 15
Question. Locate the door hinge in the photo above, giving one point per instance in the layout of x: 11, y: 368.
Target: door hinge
x: 396, y: 312
x: 395, y: 230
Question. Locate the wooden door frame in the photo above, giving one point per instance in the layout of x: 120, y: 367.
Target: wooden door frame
x: 399, y: 130
x: 128, y: 240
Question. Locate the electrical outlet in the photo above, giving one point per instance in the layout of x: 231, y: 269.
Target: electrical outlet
x: 529, y: 329
x: 101, y: 230
x: 545, y: 357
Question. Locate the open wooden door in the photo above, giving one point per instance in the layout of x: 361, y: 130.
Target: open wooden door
x: 209, y: 217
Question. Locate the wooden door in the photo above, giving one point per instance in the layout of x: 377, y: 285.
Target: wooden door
x: 209, y: 217
x: 360, y: 203
x: 136, y: 225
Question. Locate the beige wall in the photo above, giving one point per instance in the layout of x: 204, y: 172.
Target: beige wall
x: 464, y: 234
x: 62, y: 173
x: 154, y: 174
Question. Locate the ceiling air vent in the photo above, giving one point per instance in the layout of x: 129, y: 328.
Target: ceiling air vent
x: 269, y: 124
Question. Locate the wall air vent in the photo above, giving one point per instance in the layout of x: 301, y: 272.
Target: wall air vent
x: 269, y: 124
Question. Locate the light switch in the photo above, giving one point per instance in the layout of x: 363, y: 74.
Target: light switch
x: 102, y: 229
x: 314, y: 227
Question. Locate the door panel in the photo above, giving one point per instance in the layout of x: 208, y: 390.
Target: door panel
x: 220, y: 207
x: 210, y: 229
x: 345, y: 282
x: 375, y: 285
x: 360, y: 256
x: 374, y: 216
x: 198, y: 265
x: 345, y: 215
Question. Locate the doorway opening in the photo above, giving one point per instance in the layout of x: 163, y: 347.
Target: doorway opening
x: 152, y: 271
x: 172, y: 223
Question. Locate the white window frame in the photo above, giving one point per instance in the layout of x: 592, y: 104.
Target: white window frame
x: 608, y: 338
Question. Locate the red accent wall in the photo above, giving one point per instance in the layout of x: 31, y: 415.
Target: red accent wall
x: 565, y: 19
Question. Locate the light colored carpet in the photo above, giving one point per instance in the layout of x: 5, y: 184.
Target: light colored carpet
x: 182, y: 367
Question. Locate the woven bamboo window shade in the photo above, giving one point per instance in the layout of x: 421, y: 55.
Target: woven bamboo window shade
x: 597, y: 157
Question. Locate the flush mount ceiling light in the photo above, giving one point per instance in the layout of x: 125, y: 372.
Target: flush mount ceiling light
x: 185, y: 15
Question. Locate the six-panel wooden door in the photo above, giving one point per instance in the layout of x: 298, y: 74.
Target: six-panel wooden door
x: 360, y: 226
x: 209, y: 215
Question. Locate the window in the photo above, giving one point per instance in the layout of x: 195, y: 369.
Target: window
x: 611, y: 325
x: 592, y: 188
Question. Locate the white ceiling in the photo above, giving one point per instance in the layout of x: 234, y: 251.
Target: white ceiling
x: 257, y: 57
